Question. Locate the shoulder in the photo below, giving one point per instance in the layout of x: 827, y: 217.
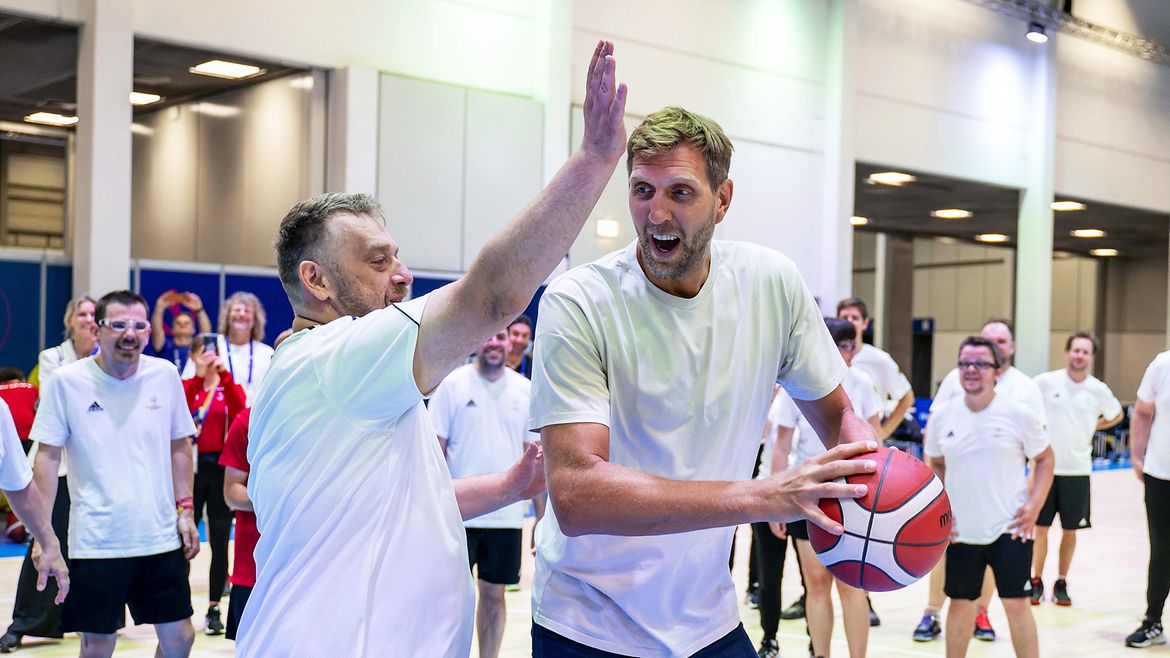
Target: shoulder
x: 601, y: 274
x: 860, y: 378
x: 154, y: 367
x: 262, y: 348
x: 1045, y: 378
x: 1016, y: 410
x: 517, y: 381
x: 754, y: 259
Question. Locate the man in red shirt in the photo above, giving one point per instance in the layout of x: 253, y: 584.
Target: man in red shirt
x: 234, y: 459
x: 21, y: 397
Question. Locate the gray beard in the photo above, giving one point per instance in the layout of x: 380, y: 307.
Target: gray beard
x: 694, y: 248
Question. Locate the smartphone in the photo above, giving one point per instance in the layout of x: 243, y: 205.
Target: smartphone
x: 210, y: 342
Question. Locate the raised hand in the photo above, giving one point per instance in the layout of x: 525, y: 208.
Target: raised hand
x: 796, y: 492
x: 605, y: 106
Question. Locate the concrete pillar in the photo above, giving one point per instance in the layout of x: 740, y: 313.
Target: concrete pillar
x: 895, y: 287
x: 837, y: 194
x: 100, y: 240
x: 1034, y: 250
x: 351, y: 163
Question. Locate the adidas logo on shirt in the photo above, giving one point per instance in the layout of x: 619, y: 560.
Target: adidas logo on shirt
x: 95, y: 407
x: 471, y: 403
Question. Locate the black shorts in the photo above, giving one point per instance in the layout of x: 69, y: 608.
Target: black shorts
x: 236, y: 602
x: 496, y: 551
x: 156, y: 588
x: 1010, y: 560
x: 798, y: 530
x: 1069, y: 496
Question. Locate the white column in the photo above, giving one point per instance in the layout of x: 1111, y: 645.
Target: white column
x: 836, y: 232
x: 105, y: 72
x: 553, y: 89
x: 1034, y: 252
x: 352, y: 157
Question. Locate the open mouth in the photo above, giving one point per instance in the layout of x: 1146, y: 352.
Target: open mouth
x: 664, y: 246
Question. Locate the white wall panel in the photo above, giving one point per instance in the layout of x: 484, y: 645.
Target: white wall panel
x: 164, y: 193
x: 503, y: 164
x: 420, y: 170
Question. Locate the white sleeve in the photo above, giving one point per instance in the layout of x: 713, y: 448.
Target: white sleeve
x: 440, y: 407
x: 948, y: 389
x: 811, y: 367
x: 930, y: 441
x: 47, y: 363
x: 1035, y: 401
x: 1109, y: 407
x: 569, y: 383
x: 51, y: 426
x: 182, y: 425
x: 783, y: 412
x: 870, y: 405
x: 369, y: 374
x: 1032, y: 432
x: 1151, y: 380
x: 893, y: 382
x: 15, y: 473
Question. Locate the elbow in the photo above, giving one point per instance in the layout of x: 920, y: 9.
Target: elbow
x: 571, y: 512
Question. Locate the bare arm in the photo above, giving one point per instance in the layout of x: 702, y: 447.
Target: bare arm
x: 833, y: 420
x: 481, y: 494
x: 1023, y: 526
x: 235, y: 489
x: 887, y: 428
x: 511, y: 266
x: 183, y: 481
x: 1106, y: 423
x: 939, y: 466
x: 30, y: 507
x: 1139, y: 435
x: 45, y: 470
x: 594, y: 496
x: 158, y: 337
x: 780, y: 454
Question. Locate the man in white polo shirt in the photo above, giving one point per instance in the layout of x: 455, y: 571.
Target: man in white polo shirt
x: 124, y: 420
x: 979, y: 445
x: 480, y: 413
x: 653, y: 373
x: 1078, y: 405
x: 362, y: 549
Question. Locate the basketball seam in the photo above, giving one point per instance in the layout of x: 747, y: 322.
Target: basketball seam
x: 896, y: 542
x: 910, y: 497
x: 925, y: 507
x: 872, y: 514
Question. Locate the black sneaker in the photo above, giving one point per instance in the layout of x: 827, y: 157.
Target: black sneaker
x: 212, y: 625
x: 928, y: 629
x: 874, y: 620
x: 1147, y: 635
x: 769, y: 648
x: 1037, y: 590
x: 794, y: 611
x: 1060, y: 593
x: 10, y: 642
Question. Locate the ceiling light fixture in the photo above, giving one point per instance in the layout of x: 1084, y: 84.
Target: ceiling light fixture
x: 51, y: 119
x: 858, y: 220
x: 1036, y: 33
x: 140, y: 98
x: 991, y: 237
x: 895, y: 178
x: 951, y: 213
x: 1103, y: 252
x: 1087, y: 233
x: 1067, y: 206
x: 218, y: 68
x: 608, y: 228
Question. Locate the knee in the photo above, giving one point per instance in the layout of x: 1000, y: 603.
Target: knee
x: 96, y: 644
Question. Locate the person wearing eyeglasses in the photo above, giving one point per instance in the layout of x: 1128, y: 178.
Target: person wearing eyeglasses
x: 978, y: 446
x: 123, y: 418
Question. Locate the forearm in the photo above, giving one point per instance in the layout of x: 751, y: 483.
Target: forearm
x: 236, y: 496
x: 1041, y: 480
x: 45, y: 475
x: 182, y: 468
x: 833, y: 420
x: 204, y: 322
x: 1139, y: 434
x: 895, y: 417
x: 29, y: 506
x: 479, y: 494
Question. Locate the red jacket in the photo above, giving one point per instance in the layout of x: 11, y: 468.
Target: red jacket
x: 229, y: 400
x: 22, y: 401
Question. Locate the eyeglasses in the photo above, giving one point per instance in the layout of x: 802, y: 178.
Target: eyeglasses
x: 979, y: 365
x: 120, y: 326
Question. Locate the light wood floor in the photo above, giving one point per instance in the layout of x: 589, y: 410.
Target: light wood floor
x: 1107, y: 585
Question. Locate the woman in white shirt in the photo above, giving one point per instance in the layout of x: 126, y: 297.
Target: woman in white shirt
x: 80, y: 339
x: 241, y: 322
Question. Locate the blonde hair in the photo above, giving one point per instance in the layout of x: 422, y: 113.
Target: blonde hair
x: 258, y: 316
x: 672, y: 126
x: 71, y: 311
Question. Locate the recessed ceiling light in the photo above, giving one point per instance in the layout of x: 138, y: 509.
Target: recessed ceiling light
x: 858, y: 220
x: 951, y: 213
x: 1103, y: 252
x: 991, y: 237
x: 143, y: 98
x: 894, y: 178
x: 51, y: 119
x: 218, y: 68
x: 608, y: 228
x: 946, y: 239
x: 1036, y: 33
x: 1067, y: 206
x: 1087, y: 233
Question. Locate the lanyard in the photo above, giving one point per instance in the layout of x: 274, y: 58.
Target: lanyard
x: 179, y: 358
x: 251, y: 349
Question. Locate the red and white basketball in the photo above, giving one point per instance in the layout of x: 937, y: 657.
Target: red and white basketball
x: 895, y: 534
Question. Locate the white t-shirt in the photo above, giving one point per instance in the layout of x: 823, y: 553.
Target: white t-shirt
x: 1073, y: 411
x: 362, y: 550
x: 887, y: 377
x: 118, y: 434
x: 486, y: 426
x: 14, y: 471
x: 805, y: 443
x: 1155, y: 388
x: 1013, y: 383
x: 683, y: 386
x: 248, y: 364
x: 986, y: 455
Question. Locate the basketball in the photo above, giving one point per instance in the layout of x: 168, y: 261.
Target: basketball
x: 895, y: 534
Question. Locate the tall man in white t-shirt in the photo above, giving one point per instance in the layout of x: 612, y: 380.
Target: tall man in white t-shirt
x: 124, y: 420
x: 362, y: 549
x: 892, y: 387
x: 653, y: 372
x: 1078, y: 405
x: 480, y: 413
x: 979, y: 445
